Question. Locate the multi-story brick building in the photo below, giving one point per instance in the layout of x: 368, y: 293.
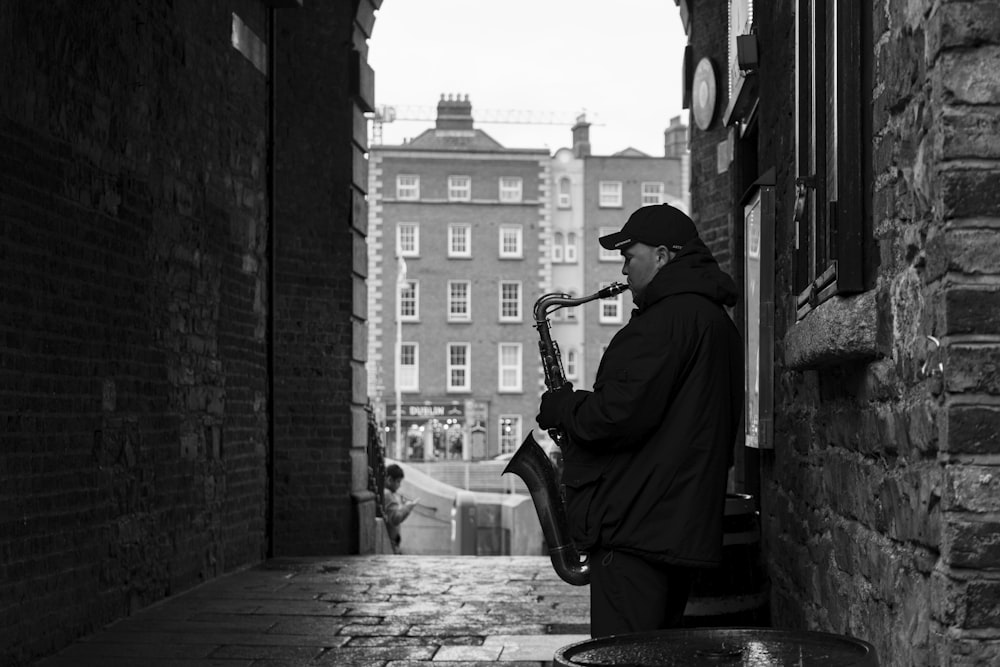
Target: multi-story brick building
x: 482, y: 231
x: 455, y: 265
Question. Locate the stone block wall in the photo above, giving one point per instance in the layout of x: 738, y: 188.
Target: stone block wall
x: 879, y: 503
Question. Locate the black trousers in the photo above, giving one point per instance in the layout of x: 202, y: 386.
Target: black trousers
x: 629, y: 594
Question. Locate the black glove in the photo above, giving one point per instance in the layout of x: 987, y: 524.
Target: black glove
x: 553, y: 403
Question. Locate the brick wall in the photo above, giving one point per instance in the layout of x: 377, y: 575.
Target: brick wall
x: 711, y: 196
x: 879, y: 499
x: 134, y: 255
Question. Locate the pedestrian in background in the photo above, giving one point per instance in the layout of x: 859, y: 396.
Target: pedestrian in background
x: 397, y: 508
x: 648, y: 450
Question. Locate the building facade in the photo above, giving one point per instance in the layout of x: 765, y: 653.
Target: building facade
x: 847, y: 154
x: 481, y: 232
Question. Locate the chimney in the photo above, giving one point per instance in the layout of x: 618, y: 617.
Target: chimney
x: 454, y: 113
x: 581, y: 136
x: 675, y: 138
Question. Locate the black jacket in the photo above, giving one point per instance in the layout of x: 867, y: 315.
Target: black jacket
x: 649, y: 449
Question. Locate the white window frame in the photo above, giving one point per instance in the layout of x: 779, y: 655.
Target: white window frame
x: 511, y: 189
x: 465, y: 236
x: 459, y: 188
x: 571, y: 359
x: 465, y: 368
x: 409, y: 374
x: 652, y: 193
x: 603, y: 254
x: 511, y: 369
x: 412, y: 248
x: 609, y: 194
x: 514, y: 233
x: 410, y: 286
x: 564, y: 196
x: 569, y: 314
x: 509, y: 432
x: 557, y: 247
x: 459, y: 308
x: 570, y: 255
x: 408, y: 187
x: 610, y: 311
x: 502, y: 300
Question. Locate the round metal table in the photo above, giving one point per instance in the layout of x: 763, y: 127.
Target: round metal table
x: 720, y: 647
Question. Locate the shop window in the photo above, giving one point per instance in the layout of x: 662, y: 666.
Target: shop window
x: 832, y: 217
x: 510, y: 433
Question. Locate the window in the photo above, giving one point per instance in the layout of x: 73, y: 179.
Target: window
x: 611, y: 309
x: 565, y: 189
x: 653, y: 193
x: 557, y: 247
x: 509, y: 367
x: 510, y: 189
x: 409, y: 367
x: 409, y: 301
x: 459, y: 188
x: 407, y: 186
x: 510, y: 242
x: 570, y: 255
x: 459, y: 367
x: 460, y: 240
x: 408, y: 239
x: 610, y: 194
x: 572, y: 372
x: 458, y: 301
x: 510, y: 433
x: 833, y: 234
x: 569, y: 314
x: 604, y: 254
x: 510, y: 301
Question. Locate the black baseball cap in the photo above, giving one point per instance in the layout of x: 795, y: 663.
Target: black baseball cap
x: 660, y: 224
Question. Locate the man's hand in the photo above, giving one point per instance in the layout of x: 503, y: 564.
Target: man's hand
x: 551, y: 410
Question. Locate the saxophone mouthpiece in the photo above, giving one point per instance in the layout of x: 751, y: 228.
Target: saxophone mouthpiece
x: 611, y: 290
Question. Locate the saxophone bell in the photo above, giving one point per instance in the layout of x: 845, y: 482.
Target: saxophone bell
x: 533, y: 467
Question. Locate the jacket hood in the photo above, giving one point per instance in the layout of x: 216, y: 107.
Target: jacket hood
x: 693, y: 270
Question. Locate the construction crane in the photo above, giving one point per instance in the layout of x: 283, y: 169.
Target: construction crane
x: 388, y: 113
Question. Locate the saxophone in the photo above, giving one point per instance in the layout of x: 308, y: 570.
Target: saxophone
x: 530, y: 462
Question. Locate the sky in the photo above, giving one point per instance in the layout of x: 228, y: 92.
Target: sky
x: 619, y: 61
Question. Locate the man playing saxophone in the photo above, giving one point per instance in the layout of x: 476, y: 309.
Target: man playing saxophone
x: 647, y: 451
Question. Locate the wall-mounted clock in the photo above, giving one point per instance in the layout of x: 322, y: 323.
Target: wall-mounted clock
x: 703, y: 93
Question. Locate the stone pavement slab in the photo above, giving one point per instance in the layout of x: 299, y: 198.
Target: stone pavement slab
x: 353, y: 611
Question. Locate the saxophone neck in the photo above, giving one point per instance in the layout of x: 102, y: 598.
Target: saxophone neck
x: 554, y: 301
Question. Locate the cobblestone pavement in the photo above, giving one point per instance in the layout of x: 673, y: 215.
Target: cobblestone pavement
x: 386, y: 611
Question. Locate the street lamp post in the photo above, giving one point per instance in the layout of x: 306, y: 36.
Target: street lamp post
x: 400, y: 286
